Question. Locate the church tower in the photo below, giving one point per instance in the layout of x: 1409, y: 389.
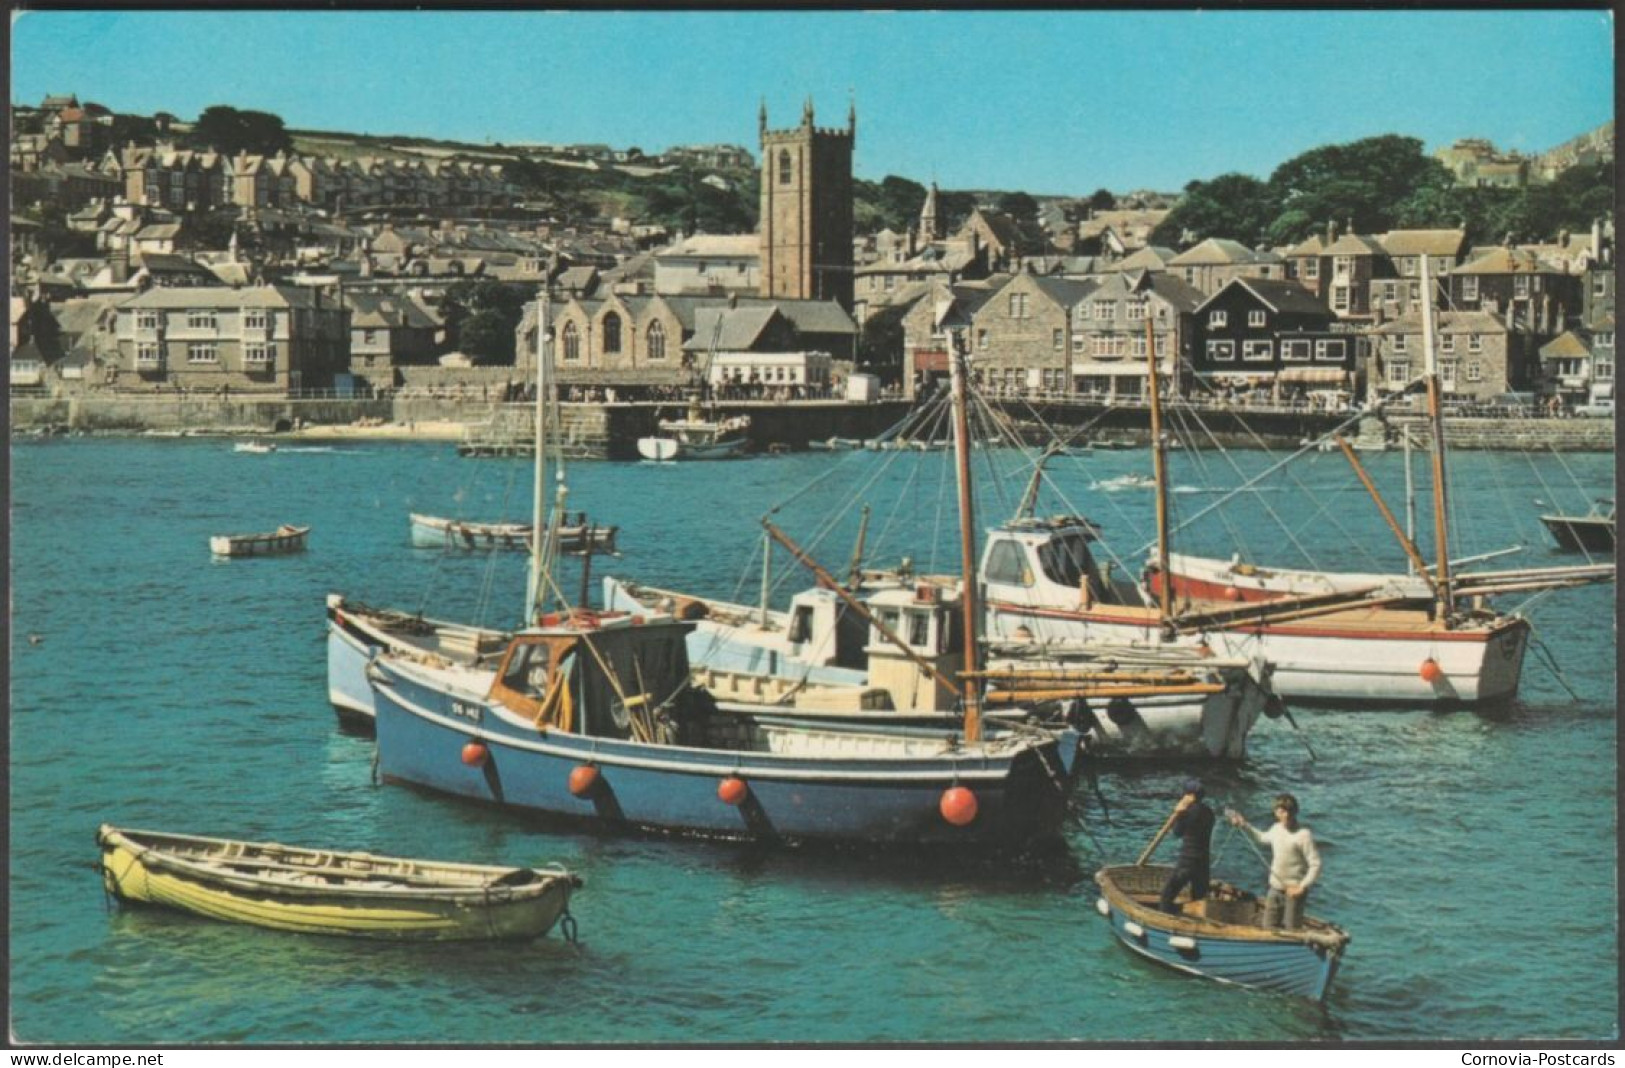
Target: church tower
x: 806, y: 221
x: 931, y: 228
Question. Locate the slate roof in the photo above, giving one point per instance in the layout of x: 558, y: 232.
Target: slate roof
x: 1355, y: 245
x: 223, y: 297
x: 1150, y: 258
x: 385, y: 311
x: 1450, y: 322
x: 1508, y: 261
x: 1566, y: 344
x: 1424, y: 242
x: 1279, y: 296
x: 1066, y: 291
x: 1215, y: 251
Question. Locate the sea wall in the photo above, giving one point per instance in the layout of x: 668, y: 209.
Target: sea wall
x: 1563, y: 435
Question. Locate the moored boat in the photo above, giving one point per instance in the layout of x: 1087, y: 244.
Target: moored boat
x: 435, y: 532
x: 254, y: 446
x: 1220, y: 937
x: 285, y: 539
x: 1589, y: 533
x: 696, y: 437
x: 327, y: 892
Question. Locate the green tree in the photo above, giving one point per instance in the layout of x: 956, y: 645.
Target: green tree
x: 227, y: 130
x: 1361, y: 184
x: 1236, y: 206
x: 1103, y: 200
x: 900, y: 201
x: 488, y: 337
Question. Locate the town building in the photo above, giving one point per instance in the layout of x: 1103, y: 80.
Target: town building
x: 1478, y: 356
x: 1022, y: 335
x: 1109, y: 346
x: 1275, y: 337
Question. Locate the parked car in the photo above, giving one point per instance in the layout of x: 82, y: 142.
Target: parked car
x: 1513, y: 403
x: 1597, y: 409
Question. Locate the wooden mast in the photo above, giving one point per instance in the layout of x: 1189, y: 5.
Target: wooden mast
x: 534, y: 588
x: 1441, y: 522
x: 1414, y: 557
x: 968, y: 602
x: 1159, y: 467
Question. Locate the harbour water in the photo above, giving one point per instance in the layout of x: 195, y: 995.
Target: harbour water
x: 1472, y: 854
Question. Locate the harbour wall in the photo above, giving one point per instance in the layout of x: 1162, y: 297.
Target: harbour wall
x: 611, y: 429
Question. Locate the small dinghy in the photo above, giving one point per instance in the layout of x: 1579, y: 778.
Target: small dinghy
x: 1220, y: 937
x: 324, y: 892
x: 254, y: 446
x: 284, y: 539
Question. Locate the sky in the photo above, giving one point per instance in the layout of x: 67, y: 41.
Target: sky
x: 1048, y: 102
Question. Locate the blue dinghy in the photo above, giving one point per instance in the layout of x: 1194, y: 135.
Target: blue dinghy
x: 1220, y: 937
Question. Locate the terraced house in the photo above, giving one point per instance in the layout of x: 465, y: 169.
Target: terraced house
x: 258, y: 339
x: 1021, y: 336
x: 1259, y: 334
x: 1109, y: 347
x: 1478, y: 356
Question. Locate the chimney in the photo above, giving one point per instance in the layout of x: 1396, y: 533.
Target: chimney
x: 1331, y: 231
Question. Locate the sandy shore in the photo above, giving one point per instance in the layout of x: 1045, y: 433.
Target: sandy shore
x: 419, y: 431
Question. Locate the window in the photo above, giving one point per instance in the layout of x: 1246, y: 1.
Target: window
x: 1103, y: 345
x: 1447, y: 373
x: 1603, y: 340
x: 259, y: 354
x: 1475, y: 343
x: 1603, y: 370
x: 1330, y: 350
x: 800, y: 625
x: 202, y: 352
x: 1520, y: 285
x: 1078, y: 344
x: 1018, y: 305
x: 1416, y: 292
x: 1469, y: 287
x: 1296, y: 349
x: 1065, y: 561
x: 146, y: 320
x: 1136, y: 346
x: 919, y: 629
x: 1105, y: 309
x: 1162, y: 344
x: 1340, y: 298
x: 1005, y: 565
x: 981, y: 339
x: 1256, y: 317
x: 1399, y: 372
x: 784, y: 166
x: 1447, y: 343
x: 1058, y: 339
x: 1599, y: 284
x: 1407, y: 266
x: 655, y: 337
x: 1136, y: 311
x: 612, y: 332
x: 1402, y: 342
x: 146, y: 356
x: 1311, y: 268
x: 254, y: 319
x: 1257, y: 350
x: 202, y: 319
x: 369, y: 337
x: 1083, y: 311
x: 891, y: 282
x: 1217, y: 319
x: 572, y: 342
x: 1475, y: 370
x: 1219, y: 351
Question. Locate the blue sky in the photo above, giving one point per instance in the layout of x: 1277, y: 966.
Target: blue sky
x: 1044, y: 101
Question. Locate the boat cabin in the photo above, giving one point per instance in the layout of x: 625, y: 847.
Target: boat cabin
x: 927, y: 617
x: 823, y: 630
x: 601, y: 676
x: 1047, y: 562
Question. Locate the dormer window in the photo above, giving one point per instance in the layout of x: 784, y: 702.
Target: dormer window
x: 1256, y: 317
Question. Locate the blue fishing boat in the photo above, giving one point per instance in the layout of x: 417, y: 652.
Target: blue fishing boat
x: 592, y: 717
x: 1220, y: 937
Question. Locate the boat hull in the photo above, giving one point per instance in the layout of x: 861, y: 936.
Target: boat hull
x: 356, y: 634
x: 433, y: 532
x: 662, y: 449
x: 1301, y: 963
x: 1575, y: 534
x: 1333, y: 659
x: 276, y: 543
x: 326, y: 898
x: 836, y: 795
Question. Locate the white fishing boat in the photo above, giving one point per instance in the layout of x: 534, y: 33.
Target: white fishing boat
x: 696, y: 437
x: 1362, y: 643
x: 284, y: 539
x: 254, y: 447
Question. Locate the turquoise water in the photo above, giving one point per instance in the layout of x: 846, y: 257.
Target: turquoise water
x: 1472, y: 855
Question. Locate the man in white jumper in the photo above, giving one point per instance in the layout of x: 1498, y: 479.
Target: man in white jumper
x: 1295, y: 863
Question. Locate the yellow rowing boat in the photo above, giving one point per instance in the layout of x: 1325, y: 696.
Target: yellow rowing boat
x: 325, y: 892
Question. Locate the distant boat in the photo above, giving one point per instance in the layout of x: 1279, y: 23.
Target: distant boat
x: 284, y: 539
x: 1219, y: 938
x: 434, y: 532
x: 325, y: 892
x: 1122, y: 482
x: 695, y: 437
x: 1122, y: 442
x: 254, y: 446
x: 1589, y: 533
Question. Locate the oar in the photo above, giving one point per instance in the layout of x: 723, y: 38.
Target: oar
x: 1155, y: 842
